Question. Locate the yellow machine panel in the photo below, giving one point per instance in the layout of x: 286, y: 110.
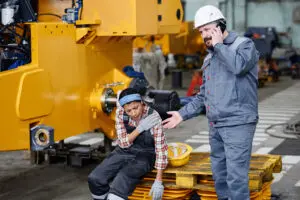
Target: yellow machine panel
x: 33, y: 100
x: 133, y: 17
x: 76, y: 68
x: 52, y: 10
x: 187, y: 41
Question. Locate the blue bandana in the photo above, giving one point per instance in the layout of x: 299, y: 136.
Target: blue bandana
x: 130, y: 98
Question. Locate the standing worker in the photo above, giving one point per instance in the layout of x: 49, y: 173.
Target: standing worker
x: 162, y: 65
x: 147, y: 63
x: 152, y: 64
x: 229, y: 94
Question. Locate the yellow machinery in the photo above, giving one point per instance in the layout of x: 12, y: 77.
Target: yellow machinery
x: 188, y: 42
x: 75, y: 70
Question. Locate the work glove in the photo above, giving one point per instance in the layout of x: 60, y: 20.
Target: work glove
x: 148, y: 122
x: 157, y: 190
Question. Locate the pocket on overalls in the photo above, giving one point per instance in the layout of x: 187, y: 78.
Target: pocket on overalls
x: 138, y: 168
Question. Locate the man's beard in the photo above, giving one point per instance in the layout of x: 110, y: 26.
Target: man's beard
x: 207, y: 39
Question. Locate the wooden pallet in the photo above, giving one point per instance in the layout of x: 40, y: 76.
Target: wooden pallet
x: 198, y: 171
x: 264, y: 194
x: 205, y: 191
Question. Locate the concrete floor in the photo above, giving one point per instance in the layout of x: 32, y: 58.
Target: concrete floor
x: 278, y: 102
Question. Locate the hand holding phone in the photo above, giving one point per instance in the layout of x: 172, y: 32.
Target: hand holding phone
x: 217, y: 36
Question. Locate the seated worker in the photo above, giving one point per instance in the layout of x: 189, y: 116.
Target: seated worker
x: 141, y: 146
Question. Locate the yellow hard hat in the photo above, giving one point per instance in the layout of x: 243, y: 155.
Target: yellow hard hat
x: 178, y: 154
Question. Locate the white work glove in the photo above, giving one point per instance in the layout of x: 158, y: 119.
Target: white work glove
x: 148, y: 122
x: 157, y: 190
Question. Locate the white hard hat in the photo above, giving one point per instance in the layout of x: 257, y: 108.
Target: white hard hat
x: 206, y: 15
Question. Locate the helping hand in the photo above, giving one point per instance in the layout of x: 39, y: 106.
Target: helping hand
x: 173, y: 121
x: 157, y: 190
x: 217, y: 36
x: 148, y: 122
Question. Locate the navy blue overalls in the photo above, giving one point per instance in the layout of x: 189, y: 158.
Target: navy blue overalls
x: 122, y: 170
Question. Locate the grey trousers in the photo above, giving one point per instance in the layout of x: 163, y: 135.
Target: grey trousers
x: 230, y: 159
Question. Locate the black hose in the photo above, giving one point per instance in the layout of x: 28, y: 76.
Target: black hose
x: 293, y: 128
x: 20, y: 27
x: 81, y: 9
x: 4, y: 27
x: 24, y: 32
x: 50, y: 14
x: 286, y: 130
x: 16, y: 34
x: 22, y: 38
x: 15, y: 47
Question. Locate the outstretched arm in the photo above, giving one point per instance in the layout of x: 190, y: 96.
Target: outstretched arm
x: 192, y: 109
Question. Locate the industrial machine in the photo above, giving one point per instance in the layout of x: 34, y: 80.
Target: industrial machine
x: 186, y: 47
x: 265, y: 40
x: 61, y: 67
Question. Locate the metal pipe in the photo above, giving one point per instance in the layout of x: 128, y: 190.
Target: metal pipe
x: 111, y: 100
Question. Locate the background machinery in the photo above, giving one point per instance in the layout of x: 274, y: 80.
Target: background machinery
x: 61, y: 67
x: 186, y: 47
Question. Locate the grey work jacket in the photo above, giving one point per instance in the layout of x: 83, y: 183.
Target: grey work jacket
x: 230, y: 81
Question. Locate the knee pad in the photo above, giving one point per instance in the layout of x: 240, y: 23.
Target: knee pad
x: 114, y: 197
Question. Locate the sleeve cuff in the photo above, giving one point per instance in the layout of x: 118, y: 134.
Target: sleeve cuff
x: 161, y: 167
x: 127, y: 141
x: 183, y: 114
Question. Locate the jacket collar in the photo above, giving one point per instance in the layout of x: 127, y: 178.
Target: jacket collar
x: 230, y: 38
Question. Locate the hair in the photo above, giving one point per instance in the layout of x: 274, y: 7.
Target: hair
x: 128, y: 91
x: 222, y: 24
